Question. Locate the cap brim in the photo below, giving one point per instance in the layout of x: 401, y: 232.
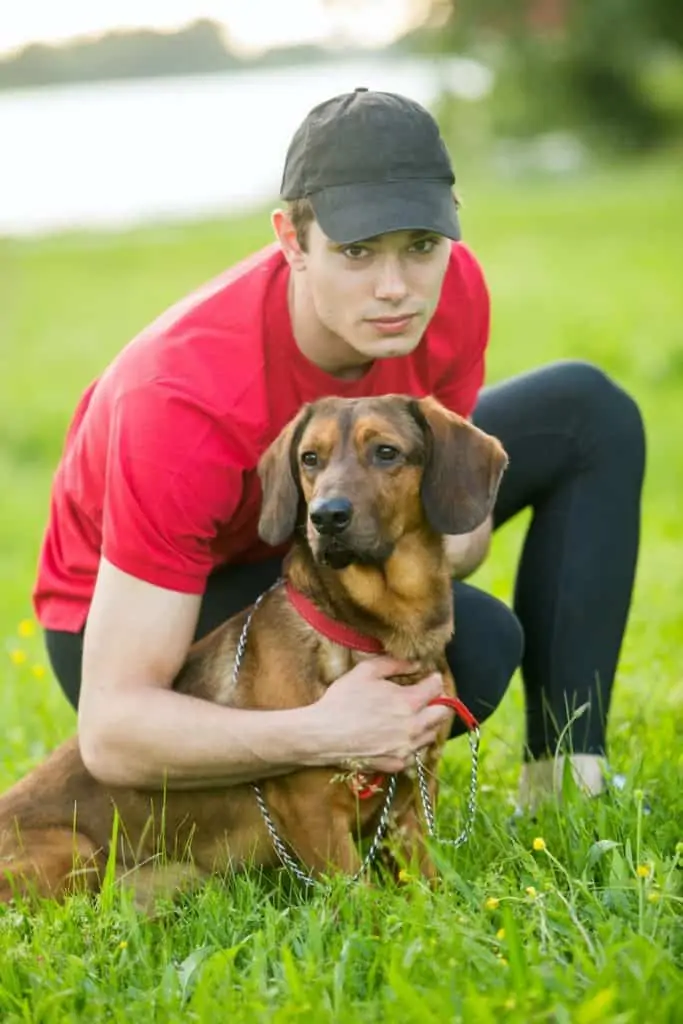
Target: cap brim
x: 351, y: 213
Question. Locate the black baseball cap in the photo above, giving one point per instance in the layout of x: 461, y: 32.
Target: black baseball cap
x: 372, y: 162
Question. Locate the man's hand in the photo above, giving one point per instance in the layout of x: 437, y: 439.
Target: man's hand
x: 467, y: 551
x: 365, y: 718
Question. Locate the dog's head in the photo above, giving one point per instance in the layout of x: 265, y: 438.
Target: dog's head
x: 358, y: 474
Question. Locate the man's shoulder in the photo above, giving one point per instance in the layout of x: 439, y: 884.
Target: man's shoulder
x: 464, y: 276
x: 458, y: 331
x: 209, y: 344
x: 464, y: 298
x: 232, y: 298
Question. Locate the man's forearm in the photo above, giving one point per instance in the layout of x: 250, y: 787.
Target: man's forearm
x: 154, y: 737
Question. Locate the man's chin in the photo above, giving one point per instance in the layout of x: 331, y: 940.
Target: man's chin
x: 394, y: 347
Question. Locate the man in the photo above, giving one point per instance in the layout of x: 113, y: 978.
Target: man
x: 151, y: 539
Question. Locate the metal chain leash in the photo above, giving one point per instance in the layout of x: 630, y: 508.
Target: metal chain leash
x: 430, y: 818
x: 280, y: 847
x: 242, y: 642
x: 289, y: 862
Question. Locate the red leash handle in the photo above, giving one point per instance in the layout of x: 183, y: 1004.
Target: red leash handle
x: 365, y: 787
x: 461, y: 710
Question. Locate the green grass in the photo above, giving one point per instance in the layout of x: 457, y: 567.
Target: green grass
x: 589, y: 268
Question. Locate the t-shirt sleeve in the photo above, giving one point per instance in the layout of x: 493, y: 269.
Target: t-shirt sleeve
x: 173, y: 476
x: 460, y: 382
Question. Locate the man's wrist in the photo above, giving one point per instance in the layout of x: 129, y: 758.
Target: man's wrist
x: 306, y: 746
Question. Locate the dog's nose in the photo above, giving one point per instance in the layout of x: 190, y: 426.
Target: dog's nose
x: 331, y: 515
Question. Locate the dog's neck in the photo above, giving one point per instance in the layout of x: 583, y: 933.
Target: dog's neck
x: 406, y: 603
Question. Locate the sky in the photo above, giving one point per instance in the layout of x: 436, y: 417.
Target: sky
x: 252, y: 25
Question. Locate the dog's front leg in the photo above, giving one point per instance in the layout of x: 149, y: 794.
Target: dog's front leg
x: 323, y: 842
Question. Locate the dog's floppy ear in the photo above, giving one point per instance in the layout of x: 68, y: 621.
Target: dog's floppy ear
x: 463, y: 469
x: 279, y: 476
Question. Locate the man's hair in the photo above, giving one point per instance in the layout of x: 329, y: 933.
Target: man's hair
x: 302, y: 214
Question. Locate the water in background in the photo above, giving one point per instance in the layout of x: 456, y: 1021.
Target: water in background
x: 117, y: 154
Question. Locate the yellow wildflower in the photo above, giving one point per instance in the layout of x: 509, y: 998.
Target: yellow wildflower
x: 404, y: 876
x: 38, y: 671
x: 500, y: 934
x: 538, y: 843
x: 123, y: 944
x: 654, y: 897
x: 643, y: 871
x: 530, y: 891
x: 26, y: 628
x: 17, y: 656
x: 492, y: 902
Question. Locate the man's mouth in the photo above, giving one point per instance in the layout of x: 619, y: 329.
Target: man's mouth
x: 388, y: 325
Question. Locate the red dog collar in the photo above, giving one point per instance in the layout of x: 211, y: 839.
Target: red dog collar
x: 331, y: 628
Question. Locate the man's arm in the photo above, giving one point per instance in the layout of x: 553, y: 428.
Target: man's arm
x: 467, y: 551
x: 134, y: 730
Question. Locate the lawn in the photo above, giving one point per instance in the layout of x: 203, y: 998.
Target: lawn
x: 582, y: 927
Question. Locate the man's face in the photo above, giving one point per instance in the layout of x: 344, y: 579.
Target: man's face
x: 377, y: 295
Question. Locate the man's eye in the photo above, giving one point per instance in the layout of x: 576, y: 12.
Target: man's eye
x: 386, y: 453
x: 423, y: 246
x: 309, y: 459
x: 355, y: 252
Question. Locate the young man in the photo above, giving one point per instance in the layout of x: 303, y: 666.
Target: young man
x: 151, y: 539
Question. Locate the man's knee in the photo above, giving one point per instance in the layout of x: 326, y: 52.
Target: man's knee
x: 601, y: 402
x: 486, y: 650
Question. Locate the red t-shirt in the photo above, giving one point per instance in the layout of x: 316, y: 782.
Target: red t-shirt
x: 158, y: 472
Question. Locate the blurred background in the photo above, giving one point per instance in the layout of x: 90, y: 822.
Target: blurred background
x: 118, y: 112
x: 141, y: 147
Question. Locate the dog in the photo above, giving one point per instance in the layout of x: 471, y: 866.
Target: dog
x: 365, y: 489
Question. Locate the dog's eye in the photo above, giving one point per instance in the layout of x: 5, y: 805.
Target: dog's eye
x: 309, y: 459
x: 386, y: 453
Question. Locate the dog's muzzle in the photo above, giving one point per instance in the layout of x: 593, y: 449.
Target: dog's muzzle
x: 336, y: 543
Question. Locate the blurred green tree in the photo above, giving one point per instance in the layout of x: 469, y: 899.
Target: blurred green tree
x: 572, y: 63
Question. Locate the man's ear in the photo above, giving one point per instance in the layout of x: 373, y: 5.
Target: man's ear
x: 463, y: 469
x: 285, y: 232
x: 279, y: 475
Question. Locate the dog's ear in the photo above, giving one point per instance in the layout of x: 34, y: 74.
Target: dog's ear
x: 463, y: 469
x: 279, y: 475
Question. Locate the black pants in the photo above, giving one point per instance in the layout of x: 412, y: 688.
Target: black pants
x: 577, y: 452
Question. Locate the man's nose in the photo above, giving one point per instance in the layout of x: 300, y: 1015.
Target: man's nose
x: 390, y: 284
x: 331, y: 516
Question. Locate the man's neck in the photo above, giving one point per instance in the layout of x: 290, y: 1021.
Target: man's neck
x: 320, y: 346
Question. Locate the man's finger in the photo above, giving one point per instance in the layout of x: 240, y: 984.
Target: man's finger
x: 427, y: 689
x: 426, y: 739
x: 431, y: 718
x: 385, y: 665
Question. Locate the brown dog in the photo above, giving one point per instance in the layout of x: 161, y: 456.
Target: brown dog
x: 366, y: 488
